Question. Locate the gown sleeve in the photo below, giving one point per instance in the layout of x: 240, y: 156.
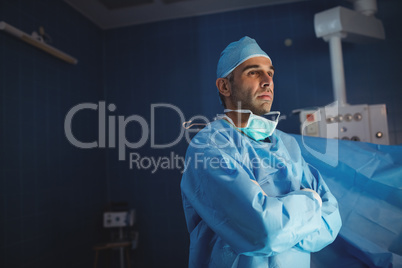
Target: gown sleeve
x: 330, y: 217
x: 226, y: 197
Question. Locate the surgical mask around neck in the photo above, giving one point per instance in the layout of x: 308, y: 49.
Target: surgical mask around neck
x: 258, y: 127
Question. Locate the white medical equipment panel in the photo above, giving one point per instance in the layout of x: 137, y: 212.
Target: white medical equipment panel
x: 367, y: 123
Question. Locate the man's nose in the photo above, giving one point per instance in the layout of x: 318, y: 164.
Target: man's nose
x: 266, y: 80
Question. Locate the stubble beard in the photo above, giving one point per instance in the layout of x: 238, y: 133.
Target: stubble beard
x: 245, y: 102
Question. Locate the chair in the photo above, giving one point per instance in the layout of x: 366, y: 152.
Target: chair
x: 120, y: 220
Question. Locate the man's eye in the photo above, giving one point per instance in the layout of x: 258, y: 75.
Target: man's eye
x: 252, y: 73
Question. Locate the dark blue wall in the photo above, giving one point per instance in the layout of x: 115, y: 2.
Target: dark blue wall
x: 52, y: 193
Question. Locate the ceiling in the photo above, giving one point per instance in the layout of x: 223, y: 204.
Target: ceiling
x: 108, y: 14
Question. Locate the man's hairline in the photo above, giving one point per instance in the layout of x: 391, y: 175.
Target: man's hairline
x: 257, y: 66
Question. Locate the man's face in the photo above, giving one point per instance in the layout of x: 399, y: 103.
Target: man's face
x: 253, y: 86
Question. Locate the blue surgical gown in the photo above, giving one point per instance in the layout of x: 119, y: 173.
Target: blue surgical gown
x: 243, y: 204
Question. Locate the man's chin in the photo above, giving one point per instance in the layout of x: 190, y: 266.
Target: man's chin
x: 262, y: 111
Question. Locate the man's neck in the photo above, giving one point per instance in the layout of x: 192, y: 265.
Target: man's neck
x: 239, y: 119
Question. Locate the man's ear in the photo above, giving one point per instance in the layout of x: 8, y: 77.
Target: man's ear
x: 223, y: 86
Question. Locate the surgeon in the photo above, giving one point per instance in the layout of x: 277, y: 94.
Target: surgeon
x: 250, y: 199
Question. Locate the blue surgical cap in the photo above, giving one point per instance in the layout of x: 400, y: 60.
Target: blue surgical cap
x: 236, y: 53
